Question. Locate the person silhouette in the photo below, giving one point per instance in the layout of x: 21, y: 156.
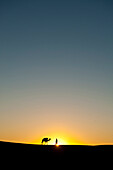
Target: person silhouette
x: 56, y: 142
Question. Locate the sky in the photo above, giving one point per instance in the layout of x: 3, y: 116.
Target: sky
x: 56, y: 71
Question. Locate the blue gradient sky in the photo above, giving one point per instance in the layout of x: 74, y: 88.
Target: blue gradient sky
x: 56, y: 70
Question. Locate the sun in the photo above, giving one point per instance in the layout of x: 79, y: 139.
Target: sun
x: 57, y: 145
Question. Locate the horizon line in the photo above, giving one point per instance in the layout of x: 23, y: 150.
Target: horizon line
x: 28, y: 143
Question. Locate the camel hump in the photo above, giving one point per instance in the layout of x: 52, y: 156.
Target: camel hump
x: 46, y: 139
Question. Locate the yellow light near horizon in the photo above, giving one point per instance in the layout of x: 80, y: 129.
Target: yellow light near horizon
x: 61, y: 141
x: 63, y: 137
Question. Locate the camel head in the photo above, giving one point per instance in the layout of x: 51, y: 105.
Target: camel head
x: 49, y: 139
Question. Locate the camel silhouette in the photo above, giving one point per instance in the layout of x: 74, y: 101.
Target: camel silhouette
x: 45, y: 140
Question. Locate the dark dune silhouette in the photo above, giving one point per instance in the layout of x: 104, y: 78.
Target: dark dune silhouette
x: 16, y: 148
x: 80, y: 156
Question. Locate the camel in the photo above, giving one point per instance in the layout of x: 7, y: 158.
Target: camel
x: 45, y: 140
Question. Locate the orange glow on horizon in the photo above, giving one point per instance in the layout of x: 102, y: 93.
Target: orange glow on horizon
x: 63, y: 139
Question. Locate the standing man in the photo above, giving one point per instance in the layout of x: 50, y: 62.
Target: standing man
x: 56, y: 142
